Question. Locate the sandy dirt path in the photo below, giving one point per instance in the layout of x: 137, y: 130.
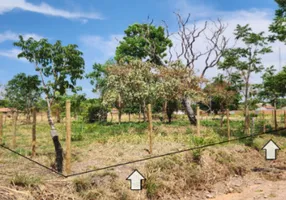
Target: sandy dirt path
x: 258, y: 191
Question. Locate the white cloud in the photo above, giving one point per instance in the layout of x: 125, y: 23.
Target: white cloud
x: 11, y: 36
x: 12, y: 53
x: 99, y: 45
x: 43, y: 8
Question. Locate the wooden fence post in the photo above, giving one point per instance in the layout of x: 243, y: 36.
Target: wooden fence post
x: 198, y: 121
x: 272, y: 118
x: 275, y: 118
x: 34, y: 132
x: 68, y: 137
x: 14, y: 129
x: 228, y: 126
x: 263, y: 118
x: 284, y: 118
x: 1, y: 129
x: 150, y: 128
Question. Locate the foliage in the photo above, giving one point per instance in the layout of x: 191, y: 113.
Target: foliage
x: 61, y: 65
x: 98, y: 76
x: 177, y: 81
x: 130, y: 82
x: 273, y: 86
x: 278, y: 26
x: 223, y: 94
x: 23, y: 92
x: 143, y: 41
x: 94, y: 111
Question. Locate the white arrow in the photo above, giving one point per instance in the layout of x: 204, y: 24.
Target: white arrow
x: 270, y: 150
x: 135, y: 180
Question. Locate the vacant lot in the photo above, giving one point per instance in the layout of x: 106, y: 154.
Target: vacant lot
x: 205, y: 173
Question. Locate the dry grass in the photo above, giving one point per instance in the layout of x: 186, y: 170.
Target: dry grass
x: 171, y: 177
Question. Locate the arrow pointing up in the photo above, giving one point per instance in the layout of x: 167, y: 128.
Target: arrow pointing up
x: 270, y: 150
x: 135, y: 180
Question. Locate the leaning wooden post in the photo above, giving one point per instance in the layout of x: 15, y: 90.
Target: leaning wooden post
x: 150, y: 128
x: 1, y: 128
x: 198, y: 121
x: 14, y: 129
x: 228, y: 126
x: 68, y: 137
x: 34, y: 132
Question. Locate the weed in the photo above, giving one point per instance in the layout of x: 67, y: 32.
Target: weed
x: 151, y: 187
x: 25, y: 180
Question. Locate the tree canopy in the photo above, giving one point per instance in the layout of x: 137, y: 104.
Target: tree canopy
x: 23, y: 92
x: 143, y: 41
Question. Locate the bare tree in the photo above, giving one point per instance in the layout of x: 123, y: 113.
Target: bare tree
x: 188, y: 35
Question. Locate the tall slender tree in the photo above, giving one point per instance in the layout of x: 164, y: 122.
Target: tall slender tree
x: 245, y: 61
x: 59, y: 68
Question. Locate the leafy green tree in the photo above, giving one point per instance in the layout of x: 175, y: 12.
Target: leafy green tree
x: 245, y: 61
x: 23, y: 92
x: 98, y: 76
x: 59, y: 68
x: 278, y: 27
x: 143, y: 41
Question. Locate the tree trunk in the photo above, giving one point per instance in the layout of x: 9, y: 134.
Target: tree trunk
x: 275, y: 116
x: 221, y: 120
x: 144, y: 111
x: 139, y: 113
x: 189, y: 110
x: 28, y: 116
x: 164, y: 111
x: 119, y: 115
x: 246, y: 121
x: 55, y: 137
x: 58, y: 116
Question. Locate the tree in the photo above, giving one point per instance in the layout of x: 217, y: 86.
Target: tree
x: 175, y: 82
x: 143, y: 41
x: 278, y: 27
x: 245, y: 61
x: 273, y: 86
x: 129, y: 82
x: 59, y: 68
x: 23, y: 92
x: 222, y: 94
x: 188, y: 36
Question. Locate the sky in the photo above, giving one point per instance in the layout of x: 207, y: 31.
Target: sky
x: 96, y: 26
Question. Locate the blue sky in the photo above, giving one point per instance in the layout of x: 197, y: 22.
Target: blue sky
x: 95, y: 26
